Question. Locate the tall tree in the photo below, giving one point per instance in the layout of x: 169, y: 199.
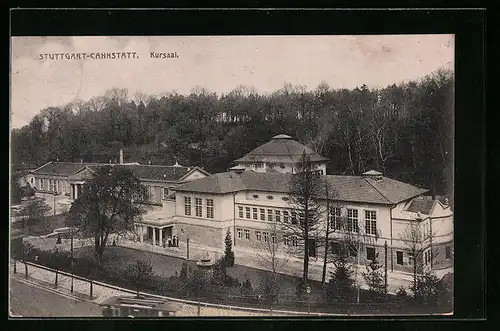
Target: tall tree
x: 272, y: 254
x: 304, y: 192
x: 34, y: 217
x: 228, y: 251
x: 109, y: 203
x: 414, y: 238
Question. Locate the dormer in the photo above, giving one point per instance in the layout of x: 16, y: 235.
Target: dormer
x: 373, y: 174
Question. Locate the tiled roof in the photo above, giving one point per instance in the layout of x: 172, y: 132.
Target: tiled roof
x: 154, y: 172
x: 280, y: 149
x: 345, y: 188
x: 60, y: 168
x: 224, y: 182
x: 421, y: 205
x: 146, y: 172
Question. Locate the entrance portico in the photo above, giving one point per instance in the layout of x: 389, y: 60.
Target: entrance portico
x: 154, y: 234
x: 75, y: 189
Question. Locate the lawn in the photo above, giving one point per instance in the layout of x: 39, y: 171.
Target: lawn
x: 51, y: 223
x: 167, y: 266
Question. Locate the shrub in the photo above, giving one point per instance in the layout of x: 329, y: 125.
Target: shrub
x: 228, y: 252
x: 401, y: 293
x: 140, y: 274
x: 374, y: 278
x: 341, y: 287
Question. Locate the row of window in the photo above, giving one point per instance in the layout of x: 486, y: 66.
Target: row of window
x: 198, y: 207
x: 52, y: 185
x: 351, y: 223
x: 264, y: 236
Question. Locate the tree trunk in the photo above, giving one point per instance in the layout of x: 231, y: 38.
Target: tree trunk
x: 327, y: 232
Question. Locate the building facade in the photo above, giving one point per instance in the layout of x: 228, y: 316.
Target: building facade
x: 256, y: 208
x: 280, y: 155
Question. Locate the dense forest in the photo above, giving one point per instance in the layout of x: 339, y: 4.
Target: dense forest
x: 403, y: 130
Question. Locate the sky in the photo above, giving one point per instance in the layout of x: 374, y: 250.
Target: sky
x: 219, y: 64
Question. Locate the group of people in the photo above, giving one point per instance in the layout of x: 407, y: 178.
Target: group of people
x: 171, y: 242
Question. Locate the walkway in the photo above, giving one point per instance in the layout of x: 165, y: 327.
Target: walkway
x: 243, y: 257
x: 100, y: 292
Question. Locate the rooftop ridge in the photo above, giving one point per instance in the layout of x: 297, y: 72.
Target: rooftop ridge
x: 376, y: 189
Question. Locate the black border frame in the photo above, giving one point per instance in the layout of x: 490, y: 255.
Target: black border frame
x: 470, y: 112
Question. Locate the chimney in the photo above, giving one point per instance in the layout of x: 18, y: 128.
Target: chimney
x: 121, y: 155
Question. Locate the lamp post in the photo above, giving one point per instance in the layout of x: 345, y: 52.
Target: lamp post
x: 72, y: 262
x: 187, y: 243
x: 308, y: 290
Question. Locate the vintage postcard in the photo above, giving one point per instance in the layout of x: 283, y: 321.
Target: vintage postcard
x: 231, y: 176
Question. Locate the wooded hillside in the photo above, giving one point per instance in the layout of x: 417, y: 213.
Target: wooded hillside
x: 405, y: 130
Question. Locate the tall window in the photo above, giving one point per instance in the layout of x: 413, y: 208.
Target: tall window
x: 277, y: 215
x: 335, y: 221
x: 285, y: 216
x: 262, y: 214
x: 240, y: 233
x: 294, y: 217
x: 255, y: 216
x: 371, y: 222
x: 370, y: 253
x: 247, y: 234
x: 399, y: 257
x: 266, y: 237
x: 270, y: 215
x: 198, y: 207
x: 352, y: 220
x: 258, y: 235
x: 240, y: 211
x: 187, y: 206
x: 210, y: 208
x: 247, y: 212
x: 273, y: 239
x: 427, y: 257
x: 291, y: 241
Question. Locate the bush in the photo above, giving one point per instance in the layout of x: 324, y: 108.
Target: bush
x: 401, y: 293
x: 228, y: 259
x: 341, y: 287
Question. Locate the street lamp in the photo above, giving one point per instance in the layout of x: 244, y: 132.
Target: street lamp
x: 72, y: 262
x: 308, y: 290
x: 187, y: 243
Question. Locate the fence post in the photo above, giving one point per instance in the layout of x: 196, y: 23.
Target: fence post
x: 91, y: 289
x: 57, y: 273
x: 25, y: 270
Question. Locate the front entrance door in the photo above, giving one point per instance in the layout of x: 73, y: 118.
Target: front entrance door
x: 150, y: 233
x: 312, y: 247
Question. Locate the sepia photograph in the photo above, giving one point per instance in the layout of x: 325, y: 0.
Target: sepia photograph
x: 251, y: 176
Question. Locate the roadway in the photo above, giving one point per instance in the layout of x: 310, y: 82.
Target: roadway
x: 31, y: 300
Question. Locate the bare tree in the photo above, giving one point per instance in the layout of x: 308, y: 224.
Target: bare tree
x: 272, y: 254
x: 96, y: 104
x: 304, y: 192
x: 139, y: 97
x: 333, y: 221
x: 415, y: 239
x: 118, y: 96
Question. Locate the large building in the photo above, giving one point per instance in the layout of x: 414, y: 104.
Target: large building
x: 67, y: 178
x: 377, y: 208
x: 281, y: 155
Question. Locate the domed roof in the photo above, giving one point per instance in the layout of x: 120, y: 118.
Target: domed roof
x: 280, y: 149
x: 282, y: 136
